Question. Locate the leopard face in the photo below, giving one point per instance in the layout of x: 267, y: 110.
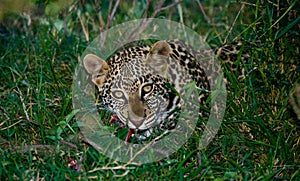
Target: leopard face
x: 139, y: 95
x: 142, y: 99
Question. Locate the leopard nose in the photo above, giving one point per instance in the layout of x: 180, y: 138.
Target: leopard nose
x: 136, y: 106
x: 135, y: 119
x: 137, y: 123
x: 136, y: 112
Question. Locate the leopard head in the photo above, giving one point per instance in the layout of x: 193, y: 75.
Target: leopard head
x: 134, y: 85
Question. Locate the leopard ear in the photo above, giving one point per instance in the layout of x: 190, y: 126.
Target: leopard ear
x: 97, y: 68
x: 161, y: 48
x: 158, y: 58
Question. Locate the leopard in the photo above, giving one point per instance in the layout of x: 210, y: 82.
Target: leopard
x: 143, y: 86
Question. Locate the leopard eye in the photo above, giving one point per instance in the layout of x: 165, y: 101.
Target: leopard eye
x: 147, y: 88
x: 118, y: 94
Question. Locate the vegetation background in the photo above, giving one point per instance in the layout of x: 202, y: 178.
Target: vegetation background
x: 41, y: 43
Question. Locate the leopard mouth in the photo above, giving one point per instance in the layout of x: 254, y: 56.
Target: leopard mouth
x: 129, y: 135
x: 131, y: 131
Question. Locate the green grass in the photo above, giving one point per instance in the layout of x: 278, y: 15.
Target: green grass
x: 258, y: 140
